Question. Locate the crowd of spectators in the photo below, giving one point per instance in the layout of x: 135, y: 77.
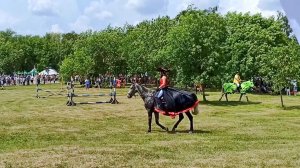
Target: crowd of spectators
x: 8, y: 80
x: 107, y: 80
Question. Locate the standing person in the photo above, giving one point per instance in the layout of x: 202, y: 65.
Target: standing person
x: 237, y: 80
x: 97, y: 82
x: 288, y: 91
x: 295, y: 89
x: 1, y: 82
x: 87, y: 84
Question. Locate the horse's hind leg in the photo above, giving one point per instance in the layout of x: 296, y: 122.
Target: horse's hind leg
x: 222, y: 93
x: 241, y: 96
x: 191, y: 121
x: 221, y: 97
x: 149, y: 120
x: 179, y: 120
x: 157, y: 122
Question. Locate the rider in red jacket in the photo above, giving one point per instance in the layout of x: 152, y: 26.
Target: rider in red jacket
x: 163, y: 84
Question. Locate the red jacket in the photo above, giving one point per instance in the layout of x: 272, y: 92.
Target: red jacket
x: 163, y: 82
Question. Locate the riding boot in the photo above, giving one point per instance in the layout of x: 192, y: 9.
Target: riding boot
x: 158, y: 102
x: 163, y: 106
x: 239, y: 89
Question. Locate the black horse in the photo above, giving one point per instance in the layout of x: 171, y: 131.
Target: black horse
x: 149, y: 101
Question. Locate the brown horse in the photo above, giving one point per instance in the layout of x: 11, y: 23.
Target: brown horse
x: 149, y: 102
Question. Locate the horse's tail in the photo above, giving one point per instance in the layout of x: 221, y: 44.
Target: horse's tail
x: 195, y: 111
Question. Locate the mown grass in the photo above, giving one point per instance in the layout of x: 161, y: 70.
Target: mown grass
x: 46, y: 133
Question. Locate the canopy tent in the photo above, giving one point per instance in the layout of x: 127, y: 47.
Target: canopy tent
x: 48, y: 72
x: 33, y: 72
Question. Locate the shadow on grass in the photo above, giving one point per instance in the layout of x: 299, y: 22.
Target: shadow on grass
x: 229, y: 103
x: 187, y: 132
x: 184, y: 131
x: 194, y: 132
x: 292, y: 107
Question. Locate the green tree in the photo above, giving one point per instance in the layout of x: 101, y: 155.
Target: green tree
x: 50, y: 55
x: 105, y: 50
x: 77, y: 64
x: 194, y: 47
x: 282, y: 65
x: 144, y: 43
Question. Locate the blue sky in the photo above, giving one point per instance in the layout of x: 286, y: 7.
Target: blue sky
x: 36, y: 17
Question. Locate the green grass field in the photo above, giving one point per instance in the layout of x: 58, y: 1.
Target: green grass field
x: 46, y: 133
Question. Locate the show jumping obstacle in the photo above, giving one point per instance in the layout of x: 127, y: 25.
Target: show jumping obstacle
x: 71, y: 94
x: 38, y: 89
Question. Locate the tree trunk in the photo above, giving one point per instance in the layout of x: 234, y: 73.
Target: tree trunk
x: 281, y: 99
x: 203, y: 92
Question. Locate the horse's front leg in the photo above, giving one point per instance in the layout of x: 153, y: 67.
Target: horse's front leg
x: 177, y: 123
x: 247, y: 98
x: 156, y: 114
x: 149, y: 120
x: 226, y: 96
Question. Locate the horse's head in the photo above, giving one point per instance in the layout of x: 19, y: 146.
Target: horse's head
x: 132, y: 90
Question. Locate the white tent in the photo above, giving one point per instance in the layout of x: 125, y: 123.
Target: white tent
x: 48, y: 72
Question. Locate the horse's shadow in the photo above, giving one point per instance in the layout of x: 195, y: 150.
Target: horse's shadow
x: 194, y: 132
x: 292, y: 107
x: 228, y: 103
x: 187, y: 132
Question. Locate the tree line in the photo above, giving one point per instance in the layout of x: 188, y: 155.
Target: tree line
x: 199, y: 46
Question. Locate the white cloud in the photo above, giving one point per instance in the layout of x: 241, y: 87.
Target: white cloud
x: 270, y: 5
x: 96, y: 10
x: 103, y: 15
x: 148, y: 7
x: 43, y: 7
x: 135, y: 4
x: 245, y: 6
x: 239, y: 6
x: 81, y: 24
x: 56, y: 29
x: 80, y: 15
x: 7, y: 19
x: 266, y: 8
x: 183, y: 5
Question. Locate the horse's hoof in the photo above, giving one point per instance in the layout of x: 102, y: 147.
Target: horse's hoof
x: 190, y: 132
x: 149, y: 131
x: 173, y: 131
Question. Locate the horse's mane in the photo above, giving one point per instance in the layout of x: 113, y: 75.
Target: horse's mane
x: 147, y: 89
x: 144, y: 91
